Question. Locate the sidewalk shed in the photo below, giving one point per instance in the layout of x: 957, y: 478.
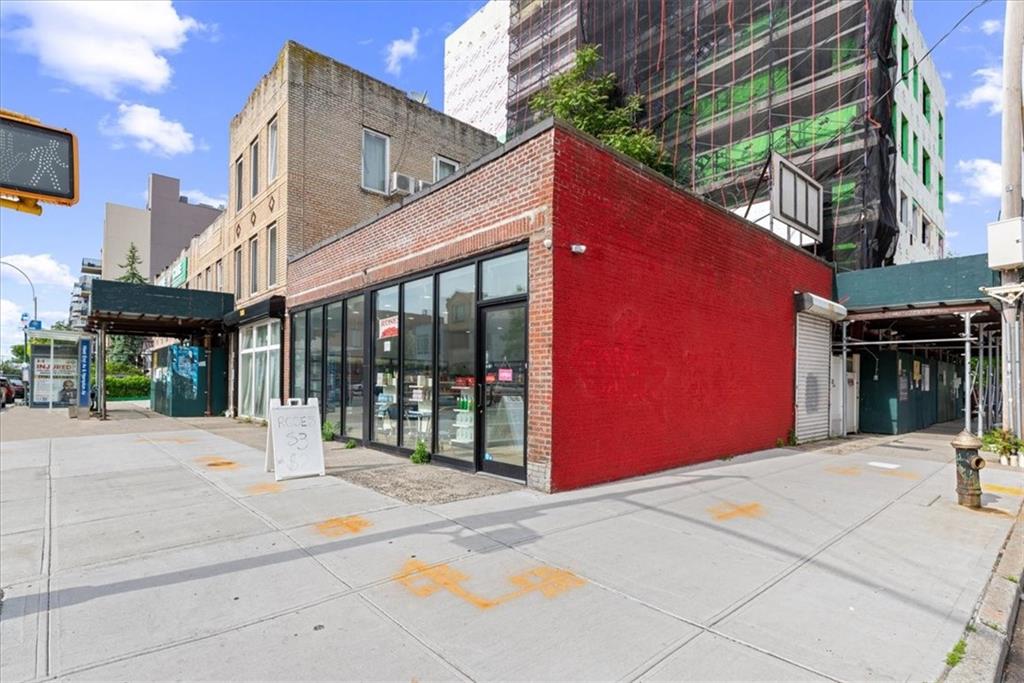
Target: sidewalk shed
x: 547, y: 309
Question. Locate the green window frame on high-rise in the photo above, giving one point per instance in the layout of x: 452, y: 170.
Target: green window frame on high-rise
x: 904, y: 138
x: 904, y: 57
x: 942, y: 136
x: 926, y: 168
x: 895, y: 122
x: 926, y: 101
x: 942, y: 192
x: 916, y: 153
x: 917, y: 90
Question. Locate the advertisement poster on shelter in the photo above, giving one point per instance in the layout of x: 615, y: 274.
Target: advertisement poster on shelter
x: 54, y: 381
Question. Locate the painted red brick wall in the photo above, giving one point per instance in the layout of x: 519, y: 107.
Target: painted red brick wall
x: 673, y: 333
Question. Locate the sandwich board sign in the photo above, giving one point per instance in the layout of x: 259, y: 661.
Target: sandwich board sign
x: 294, y: 448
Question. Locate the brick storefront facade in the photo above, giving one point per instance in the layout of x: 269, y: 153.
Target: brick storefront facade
x: 670, y: 340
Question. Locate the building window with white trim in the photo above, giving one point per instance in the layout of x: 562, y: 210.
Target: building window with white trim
x: 254, y: 162
x: 904, y: 202
x: 375, y: 161
x: 238, y: 184
x: 444, y: 167
x: 272, y: 255
x: 271, y: 150
x: 238, y: 273
x: 219, y: 272
x: 254, y: 265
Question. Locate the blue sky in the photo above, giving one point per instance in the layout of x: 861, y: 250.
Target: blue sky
x: 152, y: 89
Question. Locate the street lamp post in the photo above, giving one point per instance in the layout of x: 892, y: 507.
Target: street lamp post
x: 35, y: 304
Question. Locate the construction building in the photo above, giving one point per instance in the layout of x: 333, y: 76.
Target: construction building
x: 476, y: 69
x: 728, y: 82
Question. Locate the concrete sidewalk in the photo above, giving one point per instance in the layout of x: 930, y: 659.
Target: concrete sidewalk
x: 171, y: 555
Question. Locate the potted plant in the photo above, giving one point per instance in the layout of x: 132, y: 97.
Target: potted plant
x: 1007, y: 446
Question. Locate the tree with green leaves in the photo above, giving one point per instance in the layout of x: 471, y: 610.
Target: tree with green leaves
x: 19, y: 353
x: 131, y: 264
x: 593, y: 104
x: 61, y: 325
x: 124, y: 349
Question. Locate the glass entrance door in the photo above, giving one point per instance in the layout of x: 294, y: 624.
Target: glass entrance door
x: 501, y: 390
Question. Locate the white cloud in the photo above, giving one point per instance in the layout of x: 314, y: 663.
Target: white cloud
x: 200, y: 197
x: 101, y: 46
x: 42, y: 269
x: 400, y: 50
x: 989, y: 92
x: 991, y: 26
x: 955, y: 197
x: 984, y: 176
x: 150, y: 131
x: 10, y: 326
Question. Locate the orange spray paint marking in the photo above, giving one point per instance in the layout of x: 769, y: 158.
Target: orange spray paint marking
x: 726, y: 511
x: 901, y: 474
x: 424, y: 580
x: 165, y: 439
x: 340, y: 526
x: 217, y: 463
x: 1005, y: 490
x: 845, y: 471
x: 260, y: 489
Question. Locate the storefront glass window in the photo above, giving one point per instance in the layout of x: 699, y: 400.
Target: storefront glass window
x: 245, y: 382
x: 332, y: 379
x: 354, y: 368
x: 417, y: 336
x: 299, y: 355
x: 385, y: 359
x: 456, y: 366
x: 504, y: 275
x: 259, y: 367
x: 314, y: 373
x: 274, y: 359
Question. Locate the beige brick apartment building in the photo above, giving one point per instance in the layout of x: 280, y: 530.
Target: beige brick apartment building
x: 317, y: 147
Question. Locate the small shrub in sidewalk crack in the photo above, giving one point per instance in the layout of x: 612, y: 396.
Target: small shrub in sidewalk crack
x: 351, y: 443
x: 327, y: 431
x: 420, y: 456
x: 1012, y: 579
x: 956, y: 654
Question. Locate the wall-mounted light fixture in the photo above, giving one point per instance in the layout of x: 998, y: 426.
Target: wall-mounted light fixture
x: 547, y: 243
x: 579, y: 248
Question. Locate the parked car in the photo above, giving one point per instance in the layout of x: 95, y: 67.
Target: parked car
x: 8, y: 391
x: 19, y: 388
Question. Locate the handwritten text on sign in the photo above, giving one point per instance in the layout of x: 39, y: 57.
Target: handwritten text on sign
x: 294, y: 448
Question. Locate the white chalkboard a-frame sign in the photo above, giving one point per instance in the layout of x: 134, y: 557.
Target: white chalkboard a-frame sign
x: 294, y: 448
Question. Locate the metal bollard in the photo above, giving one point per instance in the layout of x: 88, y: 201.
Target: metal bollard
x: 968, y: 466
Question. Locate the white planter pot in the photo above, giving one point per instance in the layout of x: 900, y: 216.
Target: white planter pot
x: 1003, y: 460
x: 1013, y: 460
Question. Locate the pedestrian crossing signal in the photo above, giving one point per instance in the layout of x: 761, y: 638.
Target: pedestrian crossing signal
x: 38, y: 163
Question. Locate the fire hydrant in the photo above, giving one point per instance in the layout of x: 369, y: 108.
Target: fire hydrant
x: 968, y: 466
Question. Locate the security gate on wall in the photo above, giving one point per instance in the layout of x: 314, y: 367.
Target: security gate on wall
x: 813, y: 358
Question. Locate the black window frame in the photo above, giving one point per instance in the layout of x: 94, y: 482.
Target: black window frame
x: 369, y: 354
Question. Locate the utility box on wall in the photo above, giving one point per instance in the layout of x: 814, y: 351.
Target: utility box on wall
x: 1006, y: 244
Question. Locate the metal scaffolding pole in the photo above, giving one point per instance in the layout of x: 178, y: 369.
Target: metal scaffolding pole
x: 967, y: 372
x: 842, y: 401
x: 981, y: 379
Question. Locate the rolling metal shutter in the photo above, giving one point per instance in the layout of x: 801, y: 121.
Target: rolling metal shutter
x: 813, y: 358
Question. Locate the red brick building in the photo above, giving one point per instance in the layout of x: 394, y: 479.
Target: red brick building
x: 553, y: 312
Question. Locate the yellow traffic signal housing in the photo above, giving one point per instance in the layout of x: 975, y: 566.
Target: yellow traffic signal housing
x: 38, y: 163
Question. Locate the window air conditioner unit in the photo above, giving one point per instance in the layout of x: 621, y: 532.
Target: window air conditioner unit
x: 423, y: 184
x: 402, y: 184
